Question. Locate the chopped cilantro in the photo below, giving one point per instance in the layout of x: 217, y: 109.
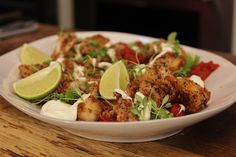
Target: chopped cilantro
x: 102, y: 51
x: 93, y: 54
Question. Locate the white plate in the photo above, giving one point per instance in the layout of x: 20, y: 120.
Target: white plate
x: 222, y: 84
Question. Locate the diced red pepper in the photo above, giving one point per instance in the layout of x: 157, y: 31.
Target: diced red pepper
x: 176, y: 110
x: 204, y: 69
x: 130, y: 55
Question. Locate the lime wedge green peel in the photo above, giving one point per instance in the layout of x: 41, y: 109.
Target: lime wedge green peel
x: 39, y: 84
x: 115, y: 77
x: 31, y: 55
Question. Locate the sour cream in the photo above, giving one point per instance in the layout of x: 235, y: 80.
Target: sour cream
x: 197, y: 80
x: 60, y: 110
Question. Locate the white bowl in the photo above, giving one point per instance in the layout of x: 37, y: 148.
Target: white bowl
x: 222, y: 84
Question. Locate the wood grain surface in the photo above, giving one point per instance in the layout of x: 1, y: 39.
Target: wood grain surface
x: 24, y: 136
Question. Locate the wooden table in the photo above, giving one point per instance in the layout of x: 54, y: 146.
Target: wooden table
x: 23, y: 136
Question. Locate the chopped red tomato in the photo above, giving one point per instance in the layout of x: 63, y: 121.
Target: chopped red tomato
x: 204, y: 69
x: 130, y: 55
x: 176, y: 110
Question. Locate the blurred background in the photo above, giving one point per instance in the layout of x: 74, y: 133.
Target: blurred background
x: 207, y: 24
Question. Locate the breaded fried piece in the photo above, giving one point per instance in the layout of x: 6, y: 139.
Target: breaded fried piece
x: 99, y: 38
x: 192, y: 95
x: 64, y: 43
x: 108, y: 112
x: 123, y: 109
x: 93, y: 89
x: 152, y: 76
x: 68, y: 65
x: 27, y: 70
x: 158, y: 81
x: 169, y: 61
x: 65, y: 83
x: 89, y: 110
x: 92, y: 44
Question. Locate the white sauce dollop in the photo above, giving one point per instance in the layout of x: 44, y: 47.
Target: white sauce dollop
x: 197, y: 80
x: 59, y: 110
x: 123, y: 94
x: 104, y: 64
x: 165, y: 47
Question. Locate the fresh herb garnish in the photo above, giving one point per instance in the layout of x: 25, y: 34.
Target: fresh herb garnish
x: 93, y: 54
x: 146, y: 108
x: 188, y: 65
x: 171, y: 37
x: 138, y: 70
x: 102, y: 51
x: 176, y: 44
x: 161, y: 112
x: 70, y: 96
x: 176, y: 47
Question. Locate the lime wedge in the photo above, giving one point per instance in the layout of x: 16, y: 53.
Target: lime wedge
x: 31, y: 55
x: 40, y: 83
x: 115, y: 77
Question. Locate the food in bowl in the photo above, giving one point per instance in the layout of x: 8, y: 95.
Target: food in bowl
x: 96, y: 80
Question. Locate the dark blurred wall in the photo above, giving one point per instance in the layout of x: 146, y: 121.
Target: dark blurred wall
x: 201, y: 23
x: 44, y: 11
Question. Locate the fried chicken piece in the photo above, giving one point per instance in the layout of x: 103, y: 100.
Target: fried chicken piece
x: 64, y: 43
x: 108, y: 113
x: 68, y: 65
x: 122, y: 109
x: 27, y: 70
x: 93, y: 89
x: 191, y: 95
x: 92, y: 44
x: 65, y: 83
x: 89, y: 110
x: 158, y: 81
x: 169, y: 61
x: 152, y: 76
x: 158, y: 90
x: 152, y: 86
x: 99, y: 38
